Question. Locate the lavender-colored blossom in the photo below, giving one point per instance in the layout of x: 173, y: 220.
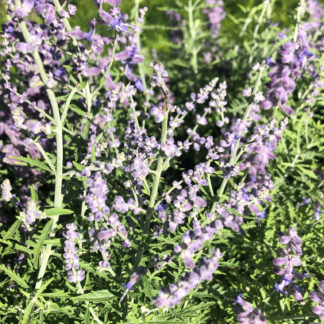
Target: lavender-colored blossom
x: 285, y: 264
x: 318, y: 212
x: 129, y: 55
x: 318, y: 298
x: 31, y: 212
x: 135, y: 277
x: 120, y: 205
x: 6, y: 190
x: 215, y: 13
x: 172, y: 296
x: 72, y: 9
x: 287, y: 69
x: 96, y: 198
x: 249, y: 314
x: 25, y: 8
x: 71, y: 254
x: 114, y: 19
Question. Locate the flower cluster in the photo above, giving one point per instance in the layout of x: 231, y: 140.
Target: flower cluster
x: 101, y: 216
x: 286, y: 70
x: 71, y: 254
x: 248, y: 313
x: 286, y: 262
x: 172, y: 296
x: 30, y: 213
x: 215, y: 13
x: 6, y: 190
x: 318, y: 297
x: 84, y: 93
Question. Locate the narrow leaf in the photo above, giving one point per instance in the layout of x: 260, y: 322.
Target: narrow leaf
x: 43, y: 287
x: 13, y: 228
x: 96, y: 296
x: 40, y: 242
x: 14, y: 276
x: 57, y: 211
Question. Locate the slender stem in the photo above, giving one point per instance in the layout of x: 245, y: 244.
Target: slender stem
x: 88, y: 97
x: 192, y: 33
x: 158, y: 171
x: 44, y: 154
x: 156, y: 182
x: 59, y: 145
x: 112, y: 55
x: 67, y: 105
x: 146, y: 186
x: 299, y: 16
x: 81, y: 291
x: 138, y: 43
x: 234, y: 153
x: 264, y: 7
x: 168, y: 192
x: 65, y: 20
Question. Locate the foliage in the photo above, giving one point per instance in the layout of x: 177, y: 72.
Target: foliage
x: 163, y: 166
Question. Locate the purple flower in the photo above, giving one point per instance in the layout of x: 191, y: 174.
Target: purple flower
x: 135, y: 278
x: 6, y: 190
x: 287, y: 68
x: 172, y: 296
x: 139, y: 84
x: 215, y: 14
x: 114, y: 19
x: 130, y: 54
x: 261, y: 215
x: 120, y: 205
x: 72, y: 9
x: 106, y: 234
x: 317, y: 212
x: 249, y: 314
x: 25, y: 8
x: 318, y: 297
x: 71, y: 254
x: 286, y: 262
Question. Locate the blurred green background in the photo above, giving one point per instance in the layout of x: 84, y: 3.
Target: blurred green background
x: 87, y: 9
x: 156, y: 34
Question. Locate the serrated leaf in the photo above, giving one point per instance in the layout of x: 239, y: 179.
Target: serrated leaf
x: 14, y: 276
x: 43, y: 287
x: 13, y: 228
x: 95, y: 296
x: 34, y: 163
x: 309, y: 173
x: 148, y: 288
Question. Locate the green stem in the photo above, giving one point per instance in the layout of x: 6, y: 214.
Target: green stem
x: 299, y: 16
x: 138, y: 42
x: 65, y: 20
x: 46, y: 158
x: 264, y: 7
x: 146, y: 186
x: 67, y: 105
x: 234, y: 153
x: 192, y: 33
x: 156, y: 182
x: 59, y: 145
